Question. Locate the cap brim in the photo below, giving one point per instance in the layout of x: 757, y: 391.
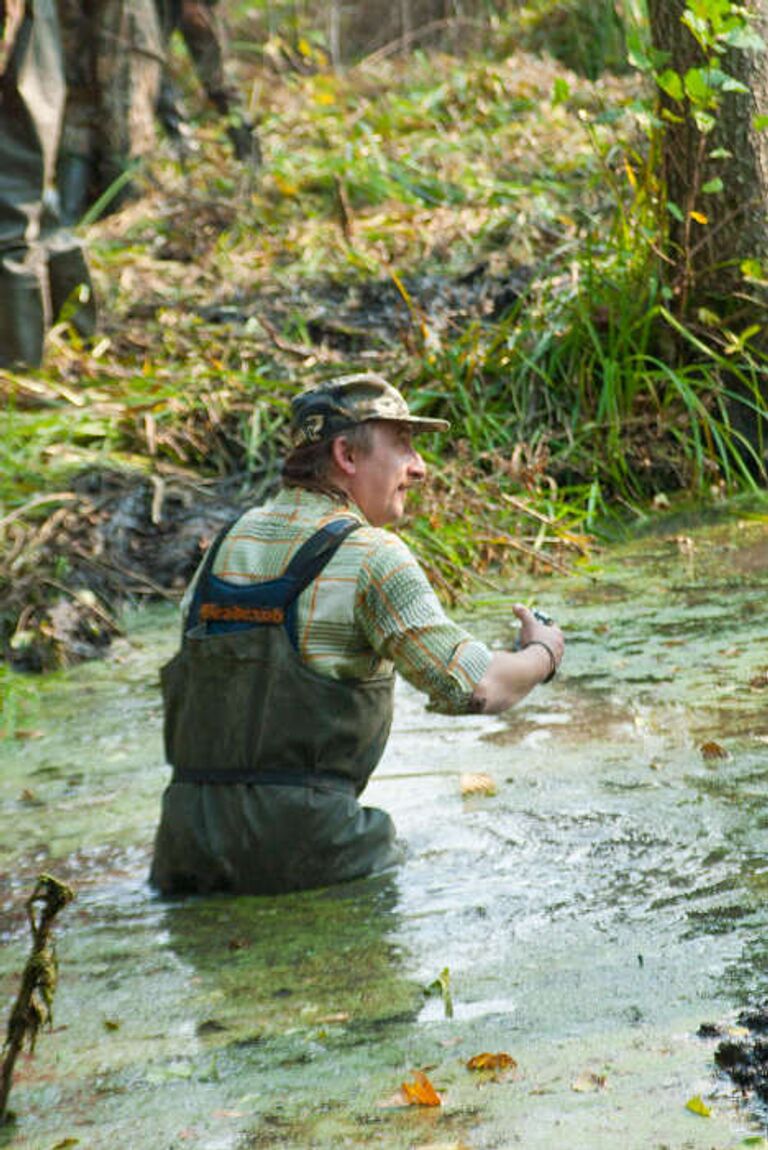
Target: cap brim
x: 426, y: 424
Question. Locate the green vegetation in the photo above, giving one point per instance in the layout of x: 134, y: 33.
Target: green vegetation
x: 485, y: 228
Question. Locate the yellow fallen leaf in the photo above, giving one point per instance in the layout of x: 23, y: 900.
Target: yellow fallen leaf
x: 697, y: 1105
x: 588, y: 1083
x: 477, y: 784
x: 441, y: 1146
x: 285, y: 187
x: 420, y: 1092
x: 500, y: 1061
x: 699, y: 217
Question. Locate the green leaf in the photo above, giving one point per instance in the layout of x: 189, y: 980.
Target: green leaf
x: 745, y: 38
x: 675, y: 212
x: 753, y: 270
x: 442, y: 986
x: 671, y: 83
x: 637, y: 55
x: 561, y: 91
x: 760, y: 123
x: 697, y: 86
x: 705, y: 122
x: 717, y: 78
x: 719, y: 154
x: 712, y: 186
x: 698, y: 27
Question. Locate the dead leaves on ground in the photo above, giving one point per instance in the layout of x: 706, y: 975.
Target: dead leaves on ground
x: 500, y: 1061
x: 497, y: 1067
x: 712, y: 751
x: 589, y: 1083
x: 476, y: 784
x: 421, y: 1092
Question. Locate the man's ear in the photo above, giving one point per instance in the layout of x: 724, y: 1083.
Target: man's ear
x: 343, y: 455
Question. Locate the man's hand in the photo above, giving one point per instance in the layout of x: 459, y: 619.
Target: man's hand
x: 533, y: 631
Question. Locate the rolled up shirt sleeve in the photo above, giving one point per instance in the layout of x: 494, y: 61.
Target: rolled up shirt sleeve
x: 404, y: 622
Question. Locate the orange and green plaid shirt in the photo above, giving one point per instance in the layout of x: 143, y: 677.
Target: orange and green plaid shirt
x: 371, y: 608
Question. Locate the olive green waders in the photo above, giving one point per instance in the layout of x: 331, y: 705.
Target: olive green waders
x: 268, y: 755
x: 42, y: 267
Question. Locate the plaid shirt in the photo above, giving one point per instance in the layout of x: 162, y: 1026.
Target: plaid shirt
x: 371, y: 608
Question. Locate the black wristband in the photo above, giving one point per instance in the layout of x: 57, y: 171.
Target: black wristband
x: 550, y: 652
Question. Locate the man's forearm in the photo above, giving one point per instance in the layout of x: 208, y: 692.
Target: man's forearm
x: 510, y: 677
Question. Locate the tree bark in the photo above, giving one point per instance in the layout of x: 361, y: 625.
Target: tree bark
x: 728, y: 227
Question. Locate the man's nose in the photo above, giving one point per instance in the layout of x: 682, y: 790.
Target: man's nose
x: 417, y: 469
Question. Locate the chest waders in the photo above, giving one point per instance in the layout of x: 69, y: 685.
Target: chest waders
x: 268, y: 755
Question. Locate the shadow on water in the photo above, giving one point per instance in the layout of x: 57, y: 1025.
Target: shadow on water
x: 590, y: 915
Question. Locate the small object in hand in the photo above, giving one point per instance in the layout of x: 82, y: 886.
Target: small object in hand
x: 540, y: 617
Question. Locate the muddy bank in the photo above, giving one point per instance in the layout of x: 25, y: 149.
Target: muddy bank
x: 113, y: 539
x: 71, y: 559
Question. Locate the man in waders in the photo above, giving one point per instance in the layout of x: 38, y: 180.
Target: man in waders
x: 279, y: 703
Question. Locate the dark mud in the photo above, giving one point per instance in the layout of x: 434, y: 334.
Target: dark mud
x: 119, y: 538
x: 365, y: 317
x: 742, y: 1055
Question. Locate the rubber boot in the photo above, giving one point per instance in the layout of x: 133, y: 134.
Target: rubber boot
x: 73, y: 177
x: 24, y: 309
x: 71, y: 290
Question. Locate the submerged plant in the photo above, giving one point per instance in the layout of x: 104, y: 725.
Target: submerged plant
x: 33, y: 1007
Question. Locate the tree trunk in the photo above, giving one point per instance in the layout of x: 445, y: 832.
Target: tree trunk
x: 708, y: 247
x: 711, y: 235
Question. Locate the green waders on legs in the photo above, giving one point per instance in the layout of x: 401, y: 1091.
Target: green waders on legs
x: 40, y: 265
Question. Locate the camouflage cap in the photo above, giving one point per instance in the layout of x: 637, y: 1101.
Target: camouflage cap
x: 342, y: 403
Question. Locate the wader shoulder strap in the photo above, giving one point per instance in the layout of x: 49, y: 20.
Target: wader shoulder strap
x: 194, y: 607
x: 225, y: 606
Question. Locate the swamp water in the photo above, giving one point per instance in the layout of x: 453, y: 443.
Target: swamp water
x: 610, y: 897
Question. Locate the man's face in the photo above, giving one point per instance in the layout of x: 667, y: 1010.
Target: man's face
x: 383, y: 474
